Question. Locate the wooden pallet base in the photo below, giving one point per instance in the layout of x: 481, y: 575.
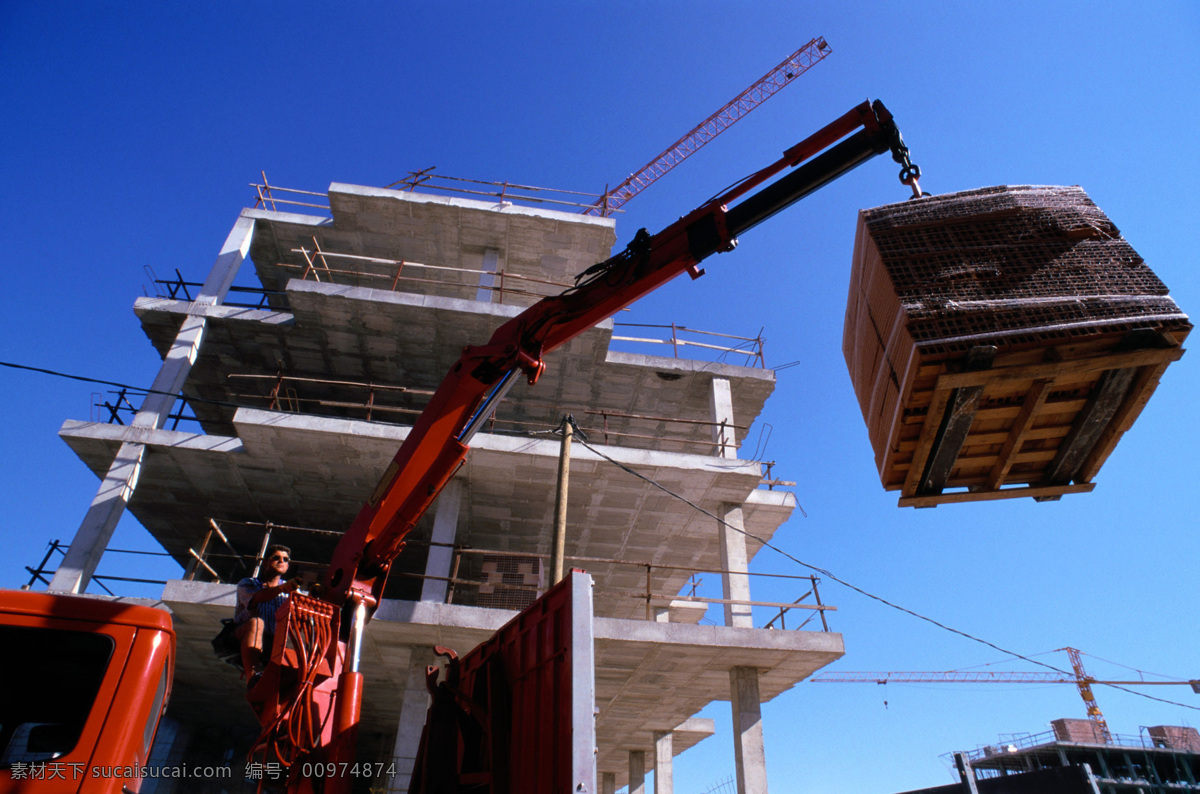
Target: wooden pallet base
x: 1044, y: 425
x: 1042, y: 493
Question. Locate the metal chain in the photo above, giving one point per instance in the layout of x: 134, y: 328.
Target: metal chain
x: 909, y: 171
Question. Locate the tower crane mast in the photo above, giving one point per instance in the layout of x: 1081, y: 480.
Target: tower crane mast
x: 760, y: 91
x: 1084, y: 682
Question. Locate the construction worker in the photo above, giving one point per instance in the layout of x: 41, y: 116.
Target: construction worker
x: 258, y: 599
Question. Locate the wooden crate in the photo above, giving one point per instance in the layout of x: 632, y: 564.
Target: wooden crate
x: 1001, y: 341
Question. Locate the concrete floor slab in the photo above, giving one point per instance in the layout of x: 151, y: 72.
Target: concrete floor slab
x: 649, y: 676
x: 546, y: 245
x: 353, y: 338
x: 308, y: 471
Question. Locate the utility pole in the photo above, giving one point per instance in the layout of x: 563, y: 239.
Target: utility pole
x: 558, y: 552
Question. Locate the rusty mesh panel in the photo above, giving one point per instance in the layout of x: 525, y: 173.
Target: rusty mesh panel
x: 1014, y: 266
x: 499, y: 581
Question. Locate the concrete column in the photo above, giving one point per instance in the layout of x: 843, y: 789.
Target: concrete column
x: 663, y: 758
x: 441, y: 553
x: 735, y: 584
x: 413, y: 710
x: 966, y: 773
x: 608, y: 783
x: 487, y: 279
x: 722, y: 417
x: 637, y: 772
x: 119, y: 483
x: 749, y: 756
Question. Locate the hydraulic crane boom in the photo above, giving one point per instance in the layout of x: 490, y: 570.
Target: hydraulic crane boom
x: 471, y: 390
x: 313, y: 679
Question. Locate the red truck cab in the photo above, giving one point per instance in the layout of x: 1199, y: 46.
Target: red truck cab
x: 84, y: 684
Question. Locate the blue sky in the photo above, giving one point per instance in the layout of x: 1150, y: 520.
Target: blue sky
x: 130, y: 133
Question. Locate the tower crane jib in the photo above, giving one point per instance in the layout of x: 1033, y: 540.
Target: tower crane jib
x: 1079, y: 677
x: 735, y: 109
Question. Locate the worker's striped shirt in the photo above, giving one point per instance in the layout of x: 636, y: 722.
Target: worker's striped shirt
x: 266, y: 610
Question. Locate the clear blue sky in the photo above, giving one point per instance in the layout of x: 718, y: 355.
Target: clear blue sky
x: 130, y: 132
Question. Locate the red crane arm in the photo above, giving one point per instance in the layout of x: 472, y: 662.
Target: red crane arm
x: 437, y: 444
x: 314, y: 685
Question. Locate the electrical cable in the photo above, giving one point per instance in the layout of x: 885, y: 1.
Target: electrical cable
x: 824, y: 572
x: 683, y: 499
x: 1137, y: 670
x: 127, y: 387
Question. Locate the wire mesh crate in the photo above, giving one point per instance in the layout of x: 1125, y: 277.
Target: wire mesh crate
x: 1000, y: 341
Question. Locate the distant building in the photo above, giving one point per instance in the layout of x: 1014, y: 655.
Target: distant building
x: 1073, y: 757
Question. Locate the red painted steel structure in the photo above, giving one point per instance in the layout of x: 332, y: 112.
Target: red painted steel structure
x: 308, y: 698
x: 760, y: 91
x: 468, y: 395
x: 516, y: 713
x: 87, y: 681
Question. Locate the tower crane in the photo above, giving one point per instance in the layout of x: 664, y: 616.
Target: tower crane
x: 760, y: 91
x: 1079, y: 678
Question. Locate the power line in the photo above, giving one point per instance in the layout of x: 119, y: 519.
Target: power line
x: 125, y: 386
x: 582, y: 440
x: 57, y: 374
x: 826, y: 573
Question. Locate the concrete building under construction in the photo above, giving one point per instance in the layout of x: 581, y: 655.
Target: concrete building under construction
x: 303, y: 394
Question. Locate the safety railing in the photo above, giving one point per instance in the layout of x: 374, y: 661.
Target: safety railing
x: 332, y: 267
x: 427, y: 180
x: 402, y: 404
x: 515, y: 579
x: 44, y: 572
x: 377, y: 402
x: 1009, y: 744
x: 679, y: 337
x: 119, y: 404
x: 366, y: 399
x: 722, y: 432
x: 272, y: 197
x: 217, y: 558
x: 266, y: 197
x: 179, y: 288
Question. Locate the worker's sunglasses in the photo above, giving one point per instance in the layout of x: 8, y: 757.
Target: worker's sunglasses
x: 279, y: 557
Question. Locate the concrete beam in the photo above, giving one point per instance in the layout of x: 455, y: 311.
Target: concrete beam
x: 735, y: 584
x: 637, y: 772
x: 441, y: 543
x: 749, y: 756
x: 663, y: 758
x: 724, y: 436
x: 413, y: 711
x: 119, y: 483
x: 487, y: 279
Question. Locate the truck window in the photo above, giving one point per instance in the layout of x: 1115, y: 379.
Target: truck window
x: 51, y: 680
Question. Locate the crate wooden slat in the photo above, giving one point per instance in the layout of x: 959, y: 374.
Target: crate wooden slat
x: 1001, y: 341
